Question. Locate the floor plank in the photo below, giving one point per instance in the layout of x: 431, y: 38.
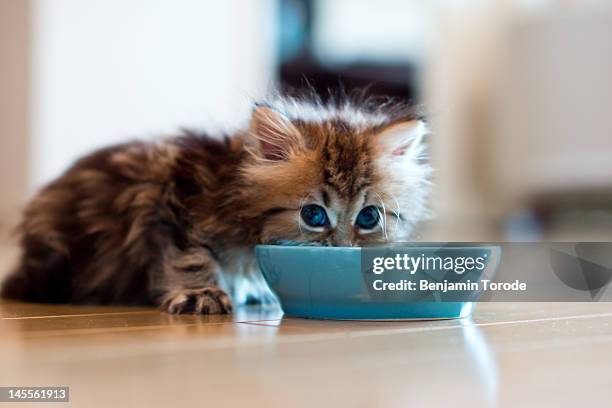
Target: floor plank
x: 507, y: 354
x: 521, y: 359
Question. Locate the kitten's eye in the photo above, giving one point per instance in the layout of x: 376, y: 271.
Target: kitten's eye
x: 314, y: 215
x: 368, y: 217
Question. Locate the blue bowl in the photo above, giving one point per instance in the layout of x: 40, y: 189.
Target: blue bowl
x: 337, y: 282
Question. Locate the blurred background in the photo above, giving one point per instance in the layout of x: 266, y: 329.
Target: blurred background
x: 519, y: 93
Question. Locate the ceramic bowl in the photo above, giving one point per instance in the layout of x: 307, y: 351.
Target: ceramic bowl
x: 339, y: 283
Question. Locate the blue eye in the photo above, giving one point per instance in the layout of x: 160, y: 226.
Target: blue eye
x: 314, y: 215
x: 368, y: 217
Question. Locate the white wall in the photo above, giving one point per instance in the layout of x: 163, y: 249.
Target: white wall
x: 13, y: 109
x: 104, y: 71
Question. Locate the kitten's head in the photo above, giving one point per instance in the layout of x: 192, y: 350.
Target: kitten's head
x: 343, y: 174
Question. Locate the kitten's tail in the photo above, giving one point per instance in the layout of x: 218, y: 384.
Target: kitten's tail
x: 14, y: 286
x: 42, y: 276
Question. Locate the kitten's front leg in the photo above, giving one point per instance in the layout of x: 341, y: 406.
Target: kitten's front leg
x: 188, y: 283
x: 210, y: 300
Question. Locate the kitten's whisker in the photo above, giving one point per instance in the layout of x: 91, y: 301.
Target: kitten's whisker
x: 397, y: 212
x: 384, y: 218
x: 381, y: 223
x: 299, y: 218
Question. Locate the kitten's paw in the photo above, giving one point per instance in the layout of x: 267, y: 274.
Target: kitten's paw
x: 198, y: 301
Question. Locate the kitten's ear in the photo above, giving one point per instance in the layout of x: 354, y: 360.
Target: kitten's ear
x: 402, y: 138
x: 276, y: 136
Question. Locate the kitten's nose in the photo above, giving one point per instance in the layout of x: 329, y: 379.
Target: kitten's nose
x: 343, y: 242
x: 341, y: 235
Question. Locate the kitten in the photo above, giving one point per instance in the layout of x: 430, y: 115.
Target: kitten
x: 172, y: 223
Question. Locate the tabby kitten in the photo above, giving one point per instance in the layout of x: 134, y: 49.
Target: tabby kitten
x: 174, y: 223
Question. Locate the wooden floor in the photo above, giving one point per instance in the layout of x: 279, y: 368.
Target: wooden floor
x: 533, y: 354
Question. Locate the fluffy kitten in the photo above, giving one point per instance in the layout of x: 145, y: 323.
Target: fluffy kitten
x: 171, y: 223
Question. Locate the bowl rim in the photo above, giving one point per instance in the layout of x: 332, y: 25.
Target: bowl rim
x: 407, y: 245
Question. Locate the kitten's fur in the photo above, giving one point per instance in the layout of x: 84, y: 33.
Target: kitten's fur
x: 158, y: 223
